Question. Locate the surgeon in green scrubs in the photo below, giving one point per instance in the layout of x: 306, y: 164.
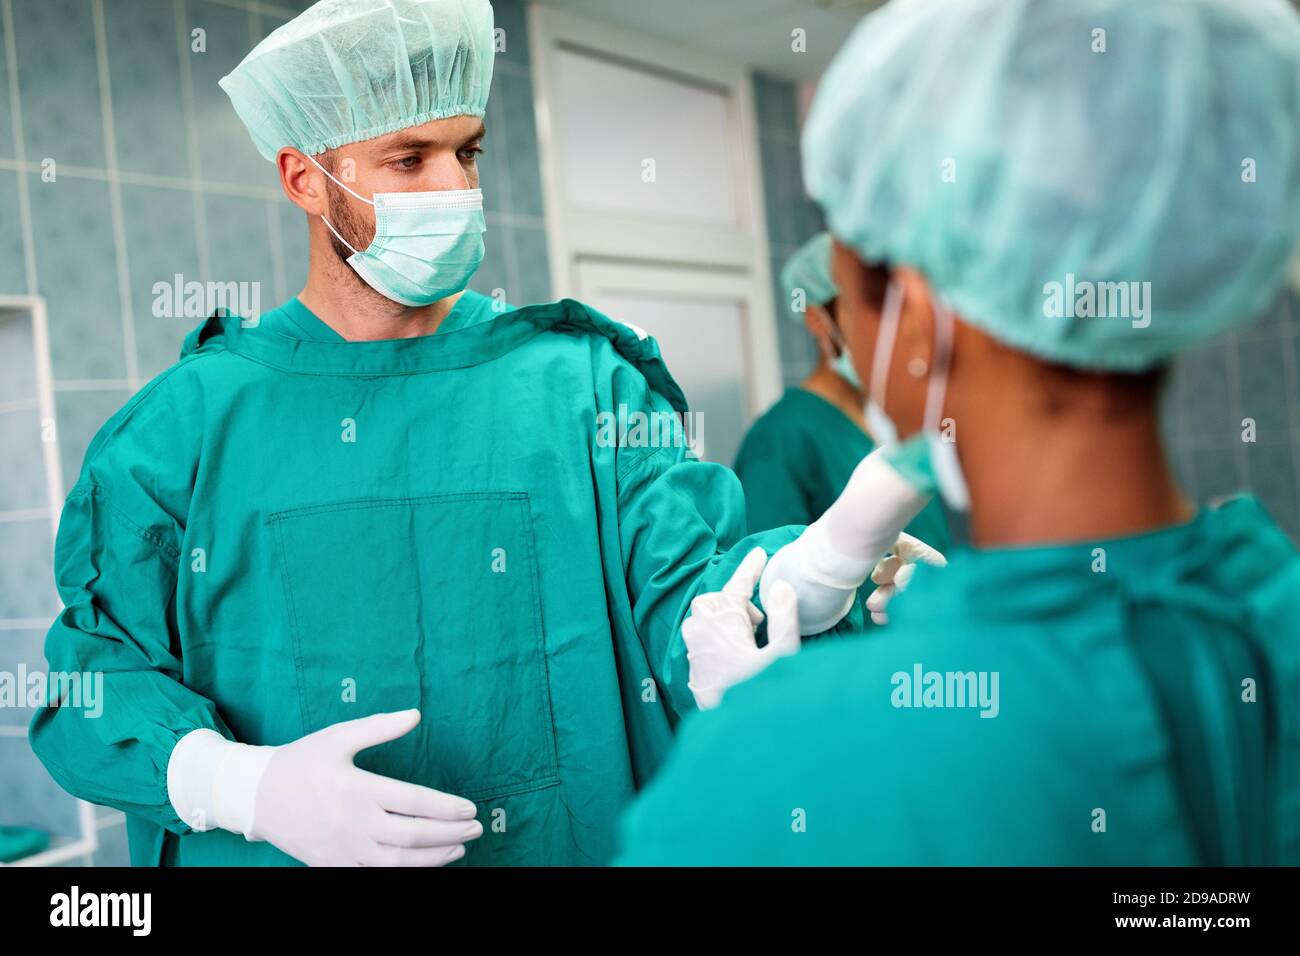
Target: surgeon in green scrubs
x: 1108, y: 675
x: 798, y: 456
x: 370, y: 578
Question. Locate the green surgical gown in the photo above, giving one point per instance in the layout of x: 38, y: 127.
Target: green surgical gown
x: 286, y: 530
x: 1147, y: 712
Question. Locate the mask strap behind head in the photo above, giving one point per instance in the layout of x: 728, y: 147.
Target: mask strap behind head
x: 890, y: 313
x: 943, y: 450
x: 336, y: 234
x: 325, y: 219
x: 938, y: 386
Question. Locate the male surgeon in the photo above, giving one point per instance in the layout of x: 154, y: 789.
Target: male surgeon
x: 363, y: 594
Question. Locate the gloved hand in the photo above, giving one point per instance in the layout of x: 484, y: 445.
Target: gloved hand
x: 310, y: 800
x: 719, y: 634
x: 894, y: 571
x: 833, y: 557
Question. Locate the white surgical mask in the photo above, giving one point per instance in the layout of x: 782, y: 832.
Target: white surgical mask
x: 881, y: 426
x: 943, y: 453
x: 944, y: 462
x: 427, y: 245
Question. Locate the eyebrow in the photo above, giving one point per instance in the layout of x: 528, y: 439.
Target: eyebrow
x: 411, y: 141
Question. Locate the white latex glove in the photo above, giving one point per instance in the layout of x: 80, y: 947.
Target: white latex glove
x: 833, y: 557
x: 310, y: 800
x: 892, y: 575
x: 719, y: 634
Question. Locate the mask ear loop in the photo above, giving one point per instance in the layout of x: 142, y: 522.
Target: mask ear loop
x: 336, y: 234
x: 828, y: 326
x: 325, y: 219
x: 341, y: 185
x: 938, y: 384
x: 943, y: 453
x: 890, y: 313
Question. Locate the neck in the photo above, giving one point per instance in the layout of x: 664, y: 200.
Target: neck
x: 338, y: 297
x: 1036, y: 478
x: 830, y: 385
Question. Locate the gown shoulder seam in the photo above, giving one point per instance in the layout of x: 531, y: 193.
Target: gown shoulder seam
x: 96, y: 491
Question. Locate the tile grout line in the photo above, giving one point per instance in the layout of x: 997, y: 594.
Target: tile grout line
x: 20, y: 405
x: 272, y: 210
x: 277, y: 254
x: 24, y: 514
x: 255, y: 7
x: 126, y: 177
x: 90, y: 384
x: 191, y: 138
x: 115, y: 196
x: 514, y: 293
x: 524, y: 220
x: 20, y: 147
x: 26, y: 623
x: 147, y: 179
x: 1236, y: 407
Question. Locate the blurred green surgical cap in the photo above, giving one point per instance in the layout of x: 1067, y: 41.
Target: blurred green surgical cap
x: 1011, y: 149
x: 809, y: 269
x: 349, y: 70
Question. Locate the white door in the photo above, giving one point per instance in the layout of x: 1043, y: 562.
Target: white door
x: 702, y: 322
x: 654, y: 208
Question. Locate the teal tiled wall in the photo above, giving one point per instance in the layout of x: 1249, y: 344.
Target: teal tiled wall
x: 510, y: 170
x: 155, y: 175
x: 1252, y: 374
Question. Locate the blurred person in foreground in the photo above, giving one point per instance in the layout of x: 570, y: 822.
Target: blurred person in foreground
x: 1109, y: 675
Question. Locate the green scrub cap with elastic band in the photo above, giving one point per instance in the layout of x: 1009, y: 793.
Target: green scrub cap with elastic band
x: 350, y: 70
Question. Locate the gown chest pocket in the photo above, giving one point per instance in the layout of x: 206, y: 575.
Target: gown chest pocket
x: 428, y: 602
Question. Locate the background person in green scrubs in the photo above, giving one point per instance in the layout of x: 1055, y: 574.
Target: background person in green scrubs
x: 1109, y: 676
x: 798, y: 456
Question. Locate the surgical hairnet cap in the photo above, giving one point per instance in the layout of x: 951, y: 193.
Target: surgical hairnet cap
x: 997, y: 146
x: 809, y: 270
x: 349, y: 70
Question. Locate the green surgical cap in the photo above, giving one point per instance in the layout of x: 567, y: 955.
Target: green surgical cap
x: 809, y: 269
x: 1013, y: 149
x: 349, y: 70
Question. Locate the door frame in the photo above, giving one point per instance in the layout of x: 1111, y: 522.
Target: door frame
x: 578, y: 239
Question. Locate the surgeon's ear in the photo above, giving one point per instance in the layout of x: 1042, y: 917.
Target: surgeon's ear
x: 913, y: 354
x: 815, y: 320
x: 301, y: 181
x: 857, y: 306
x: 856, y: 312
x: 916, y: 325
